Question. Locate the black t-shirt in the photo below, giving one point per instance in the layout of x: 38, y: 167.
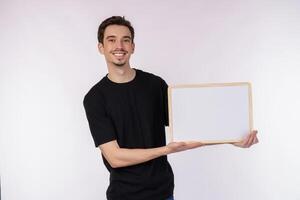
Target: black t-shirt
x: 135, y: 114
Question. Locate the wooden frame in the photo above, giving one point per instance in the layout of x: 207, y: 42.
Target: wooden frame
x: 238, y: 86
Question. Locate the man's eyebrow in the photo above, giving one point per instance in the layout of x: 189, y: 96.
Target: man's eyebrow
x: 110, y: 36
x: 127, y: 37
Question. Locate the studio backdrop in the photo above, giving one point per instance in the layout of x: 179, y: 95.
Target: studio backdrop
x: 49, y: 60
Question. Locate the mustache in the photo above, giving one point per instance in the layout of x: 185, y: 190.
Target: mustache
x: 119, y: 50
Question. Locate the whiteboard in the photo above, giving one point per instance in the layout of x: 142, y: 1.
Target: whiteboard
x: 211, y: 113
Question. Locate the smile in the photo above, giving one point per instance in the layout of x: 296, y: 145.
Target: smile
x: 119, y: 54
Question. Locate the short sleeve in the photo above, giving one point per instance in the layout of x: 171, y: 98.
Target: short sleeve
x: 165, y: 102
x: 101, y: 126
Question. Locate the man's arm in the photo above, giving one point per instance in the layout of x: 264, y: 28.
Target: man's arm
x: 122, y: 157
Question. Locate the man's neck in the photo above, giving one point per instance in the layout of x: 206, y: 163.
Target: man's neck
x: 121, y: 74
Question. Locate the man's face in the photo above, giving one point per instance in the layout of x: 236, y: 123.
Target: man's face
x: 117, y: 45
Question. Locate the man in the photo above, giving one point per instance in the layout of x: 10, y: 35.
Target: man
x: 127, y: 115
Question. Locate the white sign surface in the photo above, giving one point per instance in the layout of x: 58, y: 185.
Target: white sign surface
x: 211, y: 113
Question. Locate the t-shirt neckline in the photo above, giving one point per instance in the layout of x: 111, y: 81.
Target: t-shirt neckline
x: 125, y: 83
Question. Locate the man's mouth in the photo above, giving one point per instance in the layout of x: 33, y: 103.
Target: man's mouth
x: 119, y: 54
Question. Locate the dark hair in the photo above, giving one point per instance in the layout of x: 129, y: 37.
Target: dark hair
x: 114, y: 20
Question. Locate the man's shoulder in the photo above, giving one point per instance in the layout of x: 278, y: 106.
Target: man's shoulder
x: 150, y: 76
x: 95, y: 91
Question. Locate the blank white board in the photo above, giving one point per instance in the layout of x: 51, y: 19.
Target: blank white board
x: 212, y: 113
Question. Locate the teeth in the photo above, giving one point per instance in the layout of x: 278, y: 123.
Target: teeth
x: 120, y: 52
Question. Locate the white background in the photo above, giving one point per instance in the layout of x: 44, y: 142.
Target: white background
x: 49, y: 61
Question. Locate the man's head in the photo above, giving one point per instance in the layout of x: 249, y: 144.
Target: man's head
x: 115, y: 37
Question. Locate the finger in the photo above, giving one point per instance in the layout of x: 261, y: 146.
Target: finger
x: 251, y: 140
x: 255, y: 140
x: 245, y: 141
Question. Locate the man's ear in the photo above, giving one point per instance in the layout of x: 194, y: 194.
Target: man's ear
x: 100, y: 48
x: 133, y: 47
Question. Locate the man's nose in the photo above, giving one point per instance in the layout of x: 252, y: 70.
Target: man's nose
x: 119, y: 44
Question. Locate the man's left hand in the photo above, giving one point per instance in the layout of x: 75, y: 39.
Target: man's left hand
x: 248, y: 141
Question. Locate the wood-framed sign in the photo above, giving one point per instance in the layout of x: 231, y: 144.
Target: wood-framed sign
x: 213, y: 113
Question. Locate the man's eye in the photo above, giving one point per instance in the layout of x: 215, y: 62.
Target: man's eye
x: 111, y: 40
x: 127, y: 40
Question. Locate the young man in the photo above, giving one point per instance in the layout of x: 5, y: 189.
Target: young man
x: 127, y: 114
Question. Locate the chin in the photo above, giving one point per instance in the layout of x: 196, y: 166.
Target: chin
x: 119, y: 64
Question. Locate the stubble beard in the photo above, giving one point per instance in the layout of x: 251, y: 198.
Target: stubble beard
x: 119, y: 64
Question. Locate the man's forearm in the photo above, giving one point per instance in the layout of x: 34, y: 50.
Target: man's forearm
x: 122, y: 157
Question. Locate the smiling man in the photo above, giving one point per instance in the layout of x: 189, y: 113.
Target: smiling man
x: 127, y: 114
